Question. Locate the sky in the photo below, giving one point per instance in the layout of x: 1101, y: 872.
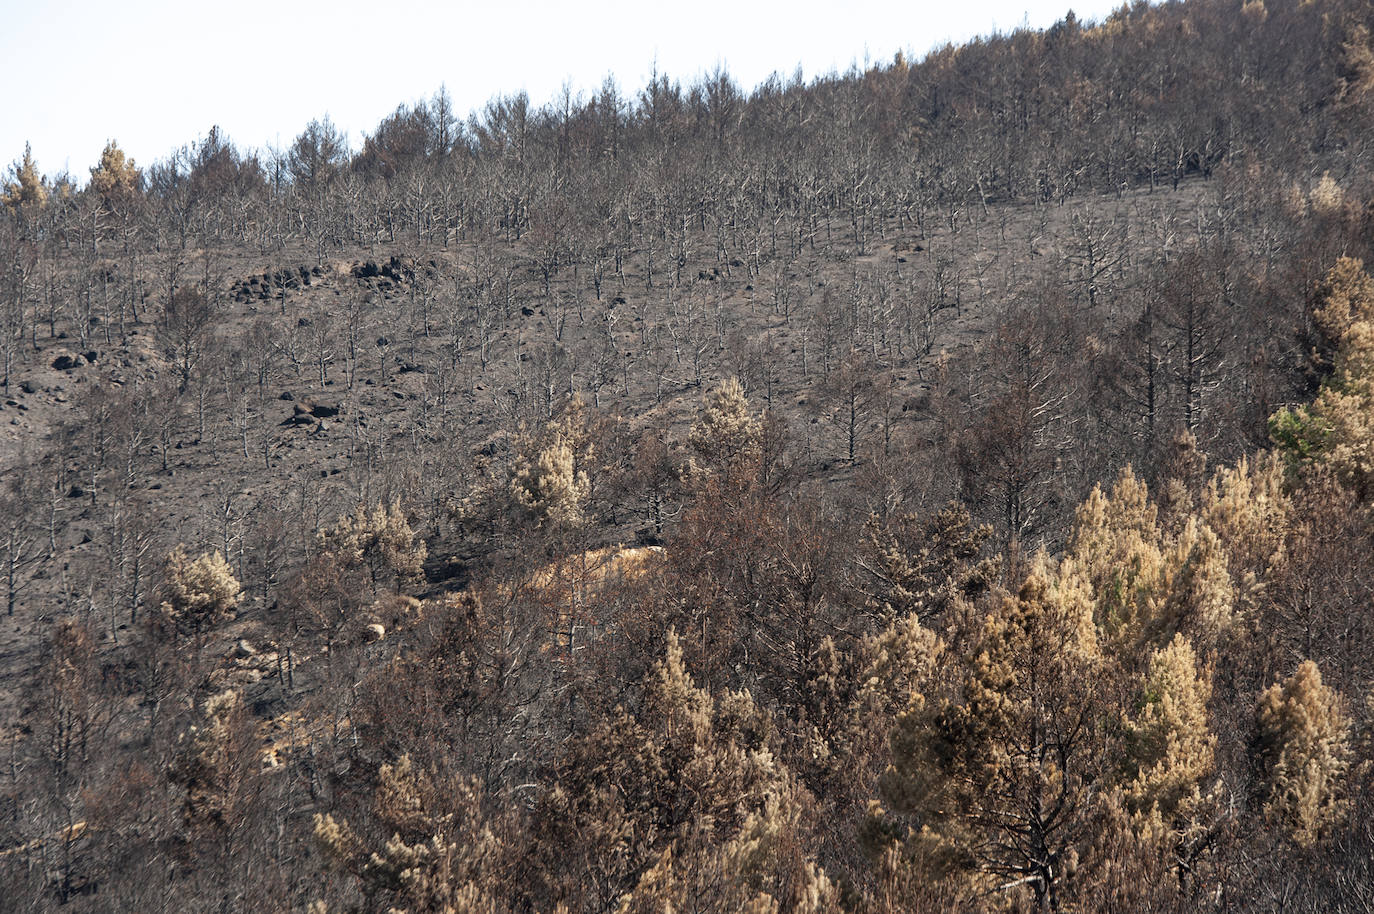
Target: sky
x: 154, y: 75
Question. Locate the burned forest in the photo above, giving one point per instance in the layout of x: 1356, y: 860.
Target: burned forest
x: 946, y: 485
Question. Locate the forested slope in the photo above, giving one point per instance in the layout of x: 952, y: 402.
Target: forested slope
x: 944, y: 486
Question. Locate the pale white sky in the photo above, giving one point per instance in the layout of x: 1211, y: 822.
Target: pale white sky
x: 157, y: 74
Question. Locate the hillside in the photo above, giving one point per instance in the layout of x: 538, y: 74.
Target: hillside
x: 938, y: 487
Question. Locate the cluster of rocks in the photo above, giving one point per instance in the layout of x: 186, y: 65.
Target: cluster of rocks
x: 398, y: 270
x: 64, y: 360
x: 264, y: 286
x: 245, y: 665
x: 308, y: 412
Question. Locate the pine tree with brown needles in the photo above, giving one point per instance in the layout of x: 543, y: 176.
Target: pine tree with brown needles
x: 998, y: 779
x: 198, y: 592
x: 26, y: 193
x: 1302, y: 747
x: 726, y: 432
x: 380, y: 540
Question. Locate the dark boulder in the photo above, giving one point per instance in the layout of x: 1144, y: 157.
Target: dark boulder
x: 67, y: 361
